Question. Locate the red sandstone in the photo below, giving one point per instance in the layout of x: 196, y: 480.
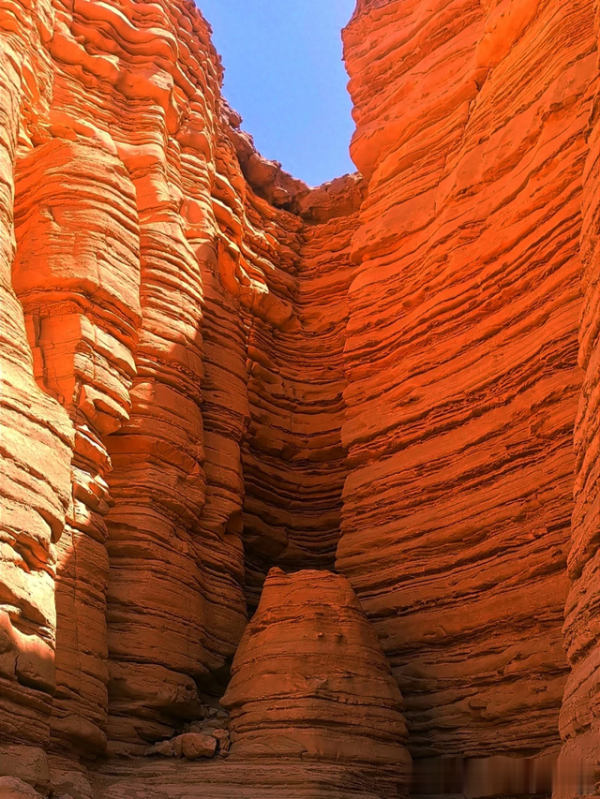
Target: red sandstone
x: 210, y: 370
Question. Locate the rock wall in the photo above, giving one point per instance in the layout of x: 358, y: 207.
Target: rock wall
x: 162, y: 268
x: 580, y: 713
x: 209, y: 370
x: 81, y: 308
x: 294, y: 462
x: 37, y: 438
x: 461, y: 356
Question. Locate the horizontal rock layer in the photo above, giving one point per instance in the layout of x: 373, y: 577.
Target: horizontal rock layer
x: 461, y: 356
x: 265, y: 779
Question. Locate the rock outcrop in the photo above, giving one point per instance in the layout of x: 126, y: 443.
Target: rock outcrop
x: 210, y: 370
x: 315, y: 711
x: 309, y: 681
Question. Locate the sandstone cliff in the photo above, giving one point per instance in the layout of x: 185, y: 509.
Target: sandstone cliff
x: 580, y: 712
x: 461, y: 357
x: 210, y: 370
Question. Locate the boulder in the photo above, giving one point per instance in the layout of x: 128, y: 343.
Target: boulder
x: 14, y: 788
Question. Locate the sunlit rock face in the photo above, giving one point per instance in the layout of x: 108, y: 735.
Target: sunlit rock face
x: 461, y: 357
x: 37, y: 437
x: 210, y: 370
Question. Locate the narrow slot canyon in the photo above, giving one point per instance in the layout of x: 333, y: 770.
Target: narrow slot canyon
x: 299, y: 486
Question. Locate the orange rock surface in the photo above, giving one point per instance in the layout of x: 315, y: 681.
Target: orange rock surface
x: 461, y: 356
x: 294, y: 462
x: 580, y: 712
x: 210, y: 370
x: 37, y: 437
x: 309, y: 679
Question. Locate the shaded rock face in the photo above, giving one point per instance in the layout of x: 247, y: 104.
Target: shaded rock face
x: 210, y: 370
x: 294, y: 461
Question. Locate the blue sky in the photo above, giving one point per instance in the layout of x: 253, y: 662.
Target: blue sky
x: 285, y: 76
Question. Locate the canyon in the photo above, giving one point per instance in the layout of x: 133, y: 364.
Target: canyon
x: 300, y: 486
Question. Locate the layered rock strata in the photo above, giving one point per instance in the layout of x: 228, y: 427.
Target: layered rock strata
x: 263, y: 779
x: 37, y: 437
x: 315, y: 712
x: 159, y: 265
x: 81, y: 306
x: 294, y: 462
x: 580, y: 713
x: 309, y: 682
x: 461, y: 357
x: 209, y: 369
